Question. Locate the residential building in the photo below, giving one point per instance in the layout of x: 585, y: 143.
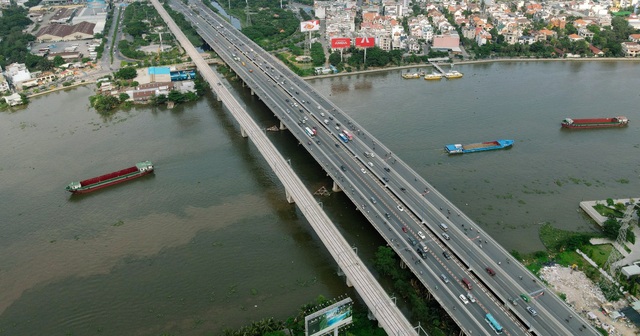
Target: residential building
x: 631, y: 49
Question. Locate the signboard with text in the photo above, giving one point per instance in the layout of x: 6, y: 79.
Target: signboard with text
x: 340, y: 43
x: 311, y: 25
x: 365, y: 42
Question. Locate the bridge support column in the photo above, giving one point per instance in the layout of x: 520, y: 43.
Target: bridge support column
x: 349, y: 284
x: 218, y: 97
x: 253, y: 93
x: 288, y: 196
x: 371, y: 317
x: 402, y: 264
x: 243, y: 133
x: 282, y: 126
x: 335, y: 187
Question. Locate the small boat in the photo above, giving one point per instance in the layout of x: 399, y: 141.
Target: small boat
x: 411, y: 76
x: 478, y: 147
x: 595, y: 122
x: 103, y: 181
x: 453, y: 74
x: 433, y: 76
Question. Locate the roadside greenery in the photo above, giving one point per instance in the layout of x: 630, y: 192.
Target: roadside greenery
x: 294, y: 325
x: 422, y: 306
x: 13, y: 46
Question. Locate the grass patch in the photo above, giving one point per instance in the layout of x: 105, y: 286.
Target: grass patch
x: 623, y: 181
x: 607, y: 211
x: 598, y: 253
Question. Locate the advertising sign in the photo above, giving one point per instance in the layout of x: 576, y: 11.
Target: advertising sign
x: 365, y: 42
x: 335, y: 316
x: 311, y: 25
x: 340, y: 43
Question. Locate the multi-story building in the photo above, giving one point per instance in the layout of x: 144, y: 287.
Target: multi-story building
x: 631, y: 49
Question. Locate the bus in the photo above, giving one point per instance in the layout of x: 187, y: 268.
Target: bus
x: 347, y: 134
x: 343, y: 137
x: 493, y: 323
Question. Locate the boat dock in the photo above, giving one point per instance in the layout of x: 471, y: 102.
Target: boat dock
x: 435, y: 65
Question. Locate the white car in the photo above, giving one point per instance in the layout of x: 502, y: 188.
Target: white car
x: 421, y: 235
x: 471, y: 298
x: 463, y: 299
x: 400, y: 208
x: 363, y: 171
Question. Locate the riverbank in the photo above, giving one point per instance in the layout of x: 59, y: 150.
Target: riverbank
x: 484, y: 61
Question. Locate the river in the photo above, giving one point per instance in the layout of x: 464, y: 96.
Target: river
x: 209, y: 242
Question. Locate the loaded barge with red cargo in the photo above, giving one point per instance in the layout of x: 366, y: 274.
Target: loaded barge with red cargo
x: 103, y: 181
x: 595, y: 122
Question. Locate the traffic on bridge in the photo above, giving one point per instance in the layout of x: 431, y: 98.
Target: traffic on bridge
x: 482, y: 287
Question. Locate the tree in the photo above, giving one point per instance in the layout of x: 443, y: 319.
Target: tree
x: 334, y: 58
x: 126, y: 73
x: 385, y: 261
x: 611, y: 228
x: 123, y: 97
x: 58, y: 61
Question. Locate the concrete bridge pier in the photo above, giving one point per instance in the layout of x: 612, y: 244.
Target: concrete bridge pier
x: 341, y: 273
x: 218, y: 97
x: 243, y: 133
x: 282, y: 126
x: 335, y: 187
x: 288, y: 196
x: 402, y: 264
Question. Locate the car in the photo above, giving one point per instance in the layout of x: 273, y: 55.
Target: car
x: 446, y: 255
x: 370, y: 164
x: 387, y: 169
x: 421, y: 235
x: 343, y: 168
x: 386, y: 214
x: 524, y: 297
x: 471, y: 297
x: 421, y: 253
x: 404, y: 229
x: 287, y: 100
x: 444, y: 278
x: 373, y: 200
x: 532, y: 311
x: 330, y: 118
x: 463, y: 299
x: 513, y: 301
x: 445, y: 236
x: 490, y: 271
x: 363, y: 171
x: 297, y: 92
x: 400, y: 207
x: 411, y: 241
x: 386, y: 179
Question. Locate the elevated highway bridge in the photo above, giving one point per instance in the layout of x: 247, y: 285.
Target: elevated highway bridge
x: 450, y: 254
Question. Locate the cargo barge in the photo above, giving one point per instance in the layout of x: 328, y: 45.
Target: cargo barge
x: 595, y: 123
x: 103, y: 181
x: 478, y: 147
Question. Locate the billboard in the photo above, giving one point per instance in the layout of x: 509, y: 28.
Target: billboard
x: 335, y: 316
x: 340, y: 43
x: 311, y: 25
x: 365, y: 42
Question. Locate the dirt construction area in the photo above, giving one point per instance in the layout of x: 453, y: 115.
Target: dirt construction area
x: 587, y: 299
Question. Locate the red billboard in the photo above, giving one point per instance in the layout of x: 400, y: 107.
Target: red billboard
x: 365, y: 42
x: 340, y: 43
